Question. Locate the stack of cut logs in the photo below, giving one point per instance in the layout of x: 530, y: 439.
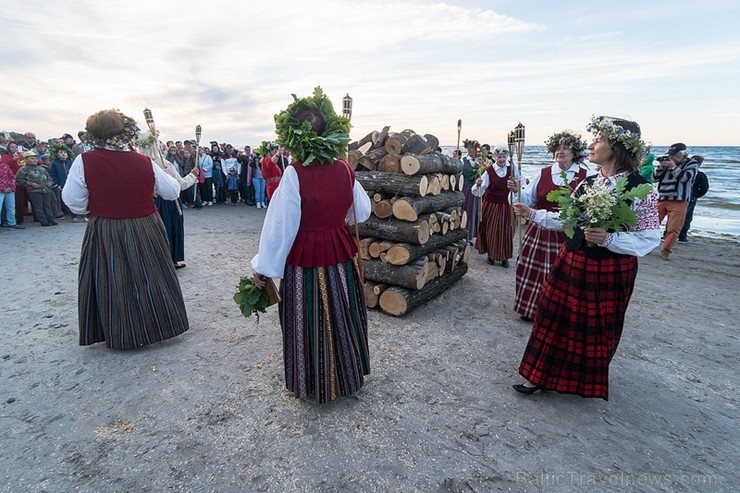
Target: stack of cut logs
x: 414, y: 244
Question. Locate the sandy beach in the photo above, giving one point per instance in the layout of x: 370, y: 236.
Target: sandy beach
x: 208, y: 411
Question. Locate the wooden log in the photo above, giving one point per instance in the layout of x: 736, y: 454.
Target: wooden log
x: 432, y: 142
x: 391, y: 163
x: 352, y: 146
x: 379, y: 288
x: 391, y: 229
x: 398, y: 301
x: 453, y: 182
x: 445, y: 183
x: 412, y: 276
x: 377, y: 197
x: 352, y: 158
x: 394, y: 143
x: 371, y: 297
x: 415, y: 144
x: 364, y: 247
x: 378, y: 247
x: 435, y: 184
x: 409, y: 208
x: 465, y: 249
x: 364, y: 148
x: 403, y: 253
x: 383, y: 209
x: 368, y: 139
x: 371, y: 159
x: 422, y: 164
x: 381, y: 138
x: 393, y: 183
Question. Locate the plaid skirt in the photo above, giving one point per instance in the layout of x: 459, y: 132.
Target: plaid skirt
x: 579, y: 323
x: 496, y: 232
x: 540, y: 248
x: 129, y: 295
x: 324, y: 322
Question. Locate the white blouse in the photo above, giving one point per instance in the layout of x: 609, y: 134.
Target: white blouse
x: 76, y: 195
x: 283, y: 219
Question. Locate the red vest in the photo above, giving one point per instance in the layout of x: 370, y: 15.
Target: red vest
x: 323, y: 237
x: 546, y: 185
x: 497, y: 191
x: 121, y: 184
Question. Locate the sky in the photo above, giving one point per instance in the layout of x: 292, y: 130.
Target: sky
x: 671, y: 65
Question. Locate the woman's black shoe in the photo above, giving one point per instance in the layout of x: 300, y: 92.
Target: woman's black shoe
x: 492, y: 262
x: 527, y: 319
x: 505, y: 264
x: 526, y: 390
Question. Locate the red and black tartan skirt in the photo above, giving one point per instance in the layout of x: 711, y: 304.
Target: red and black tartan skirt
x: 579, y: 323
x: 540, y: 248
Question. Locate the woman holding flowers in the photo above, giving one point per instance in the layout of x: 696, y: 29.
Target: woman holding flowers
x: 540, y: 245
x: 306, y: 241
x: 610, y: 220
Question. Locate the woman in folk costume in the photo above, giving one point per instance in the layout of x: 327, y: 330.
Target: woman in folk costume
x: 496, y: 228
x: 307, y: 242
x: 169, y: 210
x: 471, y: 203
x: 540, y: 246
x: 129, y: 295
x: 580, y: 317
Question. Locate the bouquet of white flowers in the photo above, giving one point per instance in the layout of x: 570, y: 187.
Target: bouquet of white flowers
x: 598, y: 205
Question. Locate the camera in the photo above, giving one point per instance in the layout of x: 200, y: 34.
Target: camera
x: 662, y: 159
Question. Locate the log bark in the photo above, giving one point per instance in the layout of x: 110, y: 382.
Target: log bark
x: 415, y: 144
x: 409, y: 208
x: 393, y: 183
x: 399, y: 301
x: 403, y: 253
x: 401, y: 231
x: 432, y: 141
x: 411, y: 276
x: 394, y: 143
x: 422, y: 164
x: 391, y: 163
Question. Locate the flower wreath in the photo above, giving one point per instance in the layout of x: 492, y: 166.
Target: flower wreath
x: 302, y: 141
x: 605, y: 126
x: 573, y: 140
x: 127, y: 140
x: 467, y: 144
x: 53, y: 149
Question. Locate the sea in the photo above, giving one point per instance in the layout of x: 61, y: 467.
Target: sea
x: 716, y: 214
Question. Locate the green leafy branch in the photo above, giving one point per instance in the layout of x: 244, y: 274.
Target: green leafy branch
x: 252, y: 300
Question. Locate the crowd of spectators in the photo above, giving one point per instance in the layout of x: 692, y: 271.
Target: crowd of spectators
x: 227, y: 175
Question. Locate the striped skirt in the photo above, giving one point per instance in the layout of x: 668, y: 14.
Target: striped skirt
x: 129, y: 295
x: 174, y: 225
x: 540, y: 248
x: 579, y: 323
x: 496, y: 231
x: 471, y: 205
x: 324, y: 322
